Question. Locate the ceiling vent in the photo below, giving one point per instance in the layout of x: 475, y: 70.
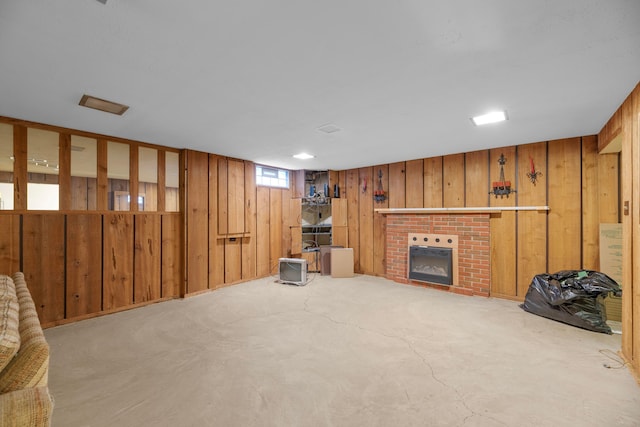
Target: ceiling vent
x: 103, y: 105
x: 329, y: 128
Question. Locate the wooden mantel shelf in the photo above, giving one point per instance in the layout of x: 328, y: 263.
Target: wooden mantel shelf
x: 487, y: 209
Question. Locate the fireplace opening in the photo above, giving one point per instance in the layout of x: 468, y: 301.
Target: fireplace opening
x: 431, y: 264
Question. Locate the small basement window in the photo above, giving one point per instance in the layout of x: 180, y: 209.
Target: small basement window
x: 272, y: 177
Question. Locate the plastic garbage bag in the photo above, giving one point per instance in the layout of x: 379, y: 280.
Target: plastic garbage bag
x: 575, y: 297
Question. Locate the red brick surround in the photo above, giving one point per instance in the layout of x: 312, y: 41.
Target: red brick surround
x: 473, y: 248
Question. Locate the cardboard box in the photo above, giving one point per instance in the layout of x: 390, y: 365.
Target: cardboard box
x: 342, y: 262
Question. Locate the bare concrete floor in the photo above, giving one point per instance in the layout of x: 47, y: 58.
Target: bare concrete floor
x: 338, y: 352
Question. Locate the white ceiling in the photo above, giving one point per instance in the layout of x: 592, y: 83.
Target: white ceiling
x: 255, y: 79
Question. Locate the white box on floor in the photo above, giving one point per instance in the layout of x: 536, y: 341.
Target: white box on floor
x: 341, y: 262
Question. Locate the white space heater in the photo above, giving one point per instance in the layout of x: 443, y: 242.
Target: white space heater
x: 292, y: 271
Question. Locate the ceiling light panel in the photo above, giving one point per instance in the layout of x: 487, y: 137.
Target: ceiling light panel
x: 492, y: 117
x: 303, y: 156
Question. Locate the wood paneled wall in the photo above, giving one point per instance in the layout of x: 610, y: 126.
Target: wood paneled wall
x: 239, y: 230
x: 79, y: 265
x: 624, y: 124
x: 85, y: 260
x: 576, y: 183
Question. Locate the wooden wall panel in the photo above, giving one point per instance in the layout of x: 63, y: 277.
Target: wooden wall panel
x: 275, y: 231
x: 161, y: 199
x: 297, y: 183
x: 216, y: 271
x: 263, y: 261
x: 334, y: 179
x: 379, y: 227
x: 503, y: 246
x: 235, y: 199
x: 19, y: 167
x: 134, y: 165
x: 354, y: 187
x: 288, y: 217
x: 633, y: 258
x: 532, y: 226
x: 197, y: 218
x: 414, y: 194
x: 590, y: 210
x: 102, y: 180
x: 296, y: 241
x: 172, y: 274
x: 342, y: 183
x: 92, y: 192
x: 564, y: 185
x: 223, y: 193
x: 249, y: 243
x: 64, y: 172
x: 294, y: 224
x: 529, y: 193
x: 397, y: 185
x: 503, y: 228
x: 9, y: 244
x: 339, y: 216
x: 232, y: 260
x: 340, y: 236
x: 531, y: 248
x: 476, y: 176
x: 453, y: 180
x: 84, y: 265
x: 43, y: 240
x: 433, y: 182
x: 609, y: 187
x: 117, y: 250
x: 611, y: 129
x: 630, y: 273
x: 366, y: 223
x: 216, y: 244
x: 147, y: 282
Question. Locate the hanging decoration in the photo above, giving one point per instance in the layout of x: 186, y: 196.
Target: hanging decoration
x: 378, y: 194
x: 533, y: 174
x: 503, y: 187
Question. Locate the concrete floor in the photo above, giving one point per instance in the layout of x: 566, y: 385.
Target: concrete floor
x: 362, y: 351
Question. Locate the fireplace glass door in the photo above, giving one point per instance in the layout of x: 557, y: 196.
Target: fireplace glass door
x: 431, y: 264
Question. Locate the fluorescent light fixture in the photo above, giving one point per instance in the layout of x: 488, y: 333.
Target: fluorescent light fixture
x: 303, y: 156
x: 103, y: 105
x: 493, y: 117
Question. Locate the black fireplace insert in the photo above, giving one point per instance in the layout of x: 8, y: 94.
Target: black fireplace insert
x: 431, y: 264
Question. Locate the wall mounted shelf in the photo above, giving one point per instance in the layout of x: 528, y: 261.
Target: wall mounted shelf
x: 487, y: 209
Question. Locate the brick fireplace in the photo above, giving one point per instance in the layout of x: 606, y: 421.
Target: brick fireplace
x: 473, y: 249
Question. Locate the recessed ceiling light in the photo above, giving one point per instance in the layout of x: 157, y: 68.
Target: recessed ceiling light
x: 329, y: 128
x: 103, y: 105
x: 492, y: 117
x: 303, y: 156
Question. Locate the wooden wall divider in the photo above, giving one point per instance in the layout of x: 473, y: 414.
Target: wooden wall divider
x: 623, y: 129
x: 79, y: 265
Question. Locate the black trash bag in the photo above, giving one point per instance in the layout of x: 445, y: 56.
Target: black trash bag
x: 575, y: 297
